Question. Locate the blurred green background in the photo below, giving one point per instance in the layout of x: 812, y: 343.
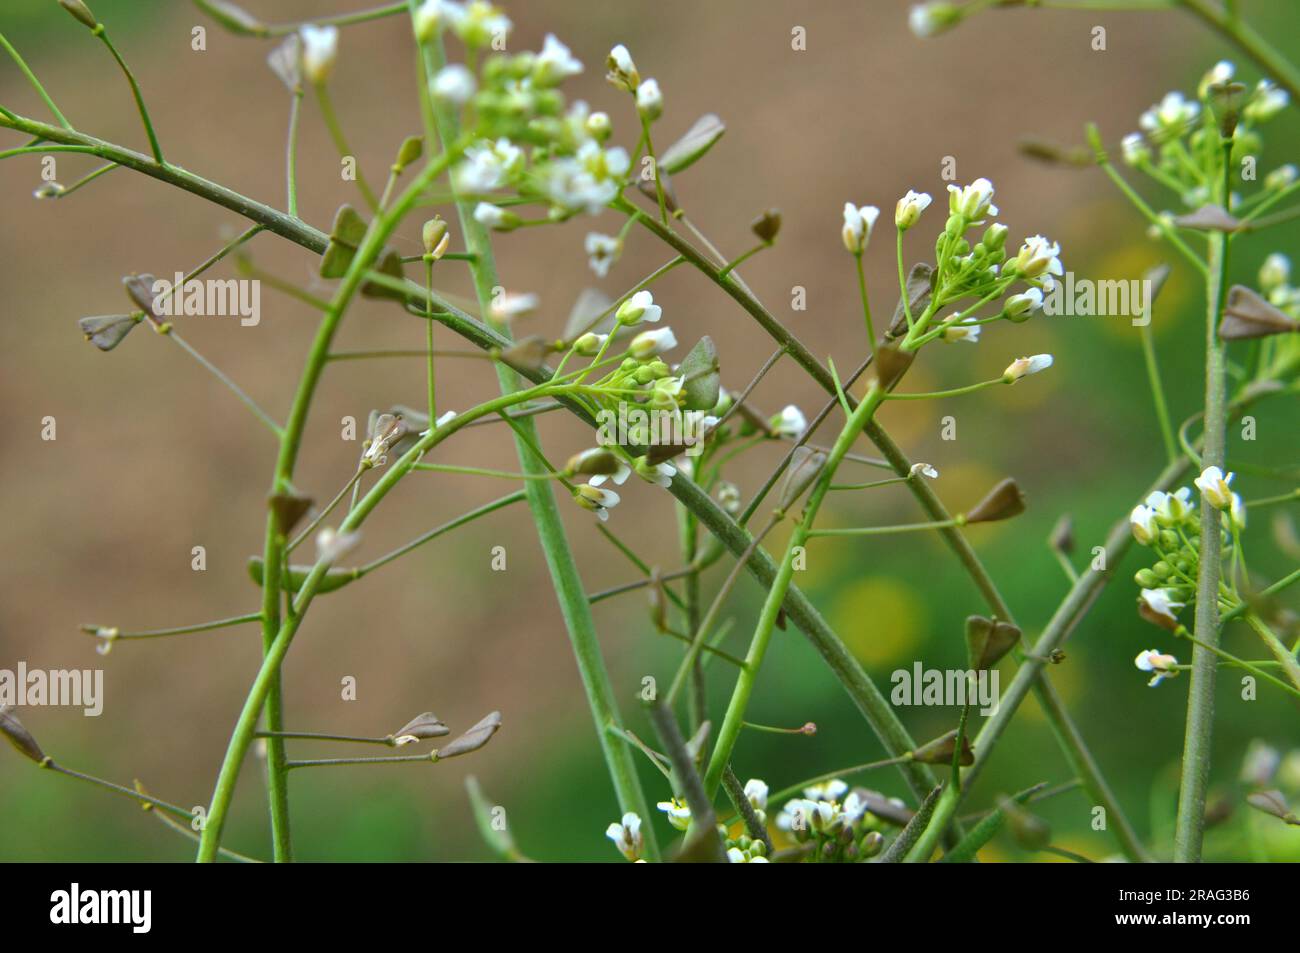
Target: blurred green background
x: 153, y: 457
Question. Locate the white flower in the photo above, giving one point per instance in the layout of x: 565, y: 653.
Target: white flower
x: 1266, y: 103
x: 910, y: 207
x: 930, y: 19
x: 1171, y: 114
x: 331, y: 544
x: 639, y: 308
x: 1170, y: 508
x: 736, y: 856
x: 1024, y: 304
x: 430, y: 19
x: 1143, y: 523
x: 962, y: 332
x: 756, y: 792
x: 679, y: 813
x: 1218, y: 74
x: 602, y: 252
x: 650, y: 344
x: 626, y: 835
x: 923, y: 469
x: 588, y: 181
x: 488, y: 166
x: 1275, y: 272
x: 555, y: 63
x: 619, y: 476
x: 858, y: 223
x: 1024, y: 366
x: 972, y: 202
x: 1283, y: 177
x: 659, y: 473
x: 493, y: 216
x: 598, y: 126
x: 320, y: 47
x: 649, y: 100
x: 789, y: 423
x: 1149, y: 660
x: 831, y: 790
x: 453, y: 84
x: 510, y: 305
x: 1134, y: 149
x: 593, y: 498
x: 622, y: 71
x: 1214, y: 487
x: 1159, y: 607
x: 478, y: 23
x: 1237, y: 513
x: 853, y: 808
x: 1038, y: 256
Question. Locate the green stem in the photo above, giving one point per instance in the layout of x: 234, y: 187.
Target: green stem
x: 36, y: 83
x: 341, y: 144
x: 275, y: 634
x: 1158, y: 393
x: 135, y: 92
x: 1200, y: 695
x: 772, y: 606
x: 550, y: 529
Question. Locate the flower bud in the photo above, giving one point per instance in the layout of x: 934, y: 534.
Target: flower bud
x: 1214, y: 487
x: 589, y: 344
x: 1024, y: 366
x: 622, y: 71
x: 649, y: 344
x: 80, y: 11
x: 649, y: 100
x: 453, y: 84
x: 909, y: 208
x: 638, y: 308
x: 429, y: 21
x: 858, y: 223
x: 767, y: 225
x: 496, y: 218
x: 320, y: 47
x: 931, y: 19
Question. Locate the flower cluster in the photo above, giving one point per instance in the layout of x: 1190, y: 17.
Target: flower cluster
x: 1168, y: 524
x: 972, y: 270
x: 1179, y: 140
x: 647, y: 402
x: 835, y: 821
